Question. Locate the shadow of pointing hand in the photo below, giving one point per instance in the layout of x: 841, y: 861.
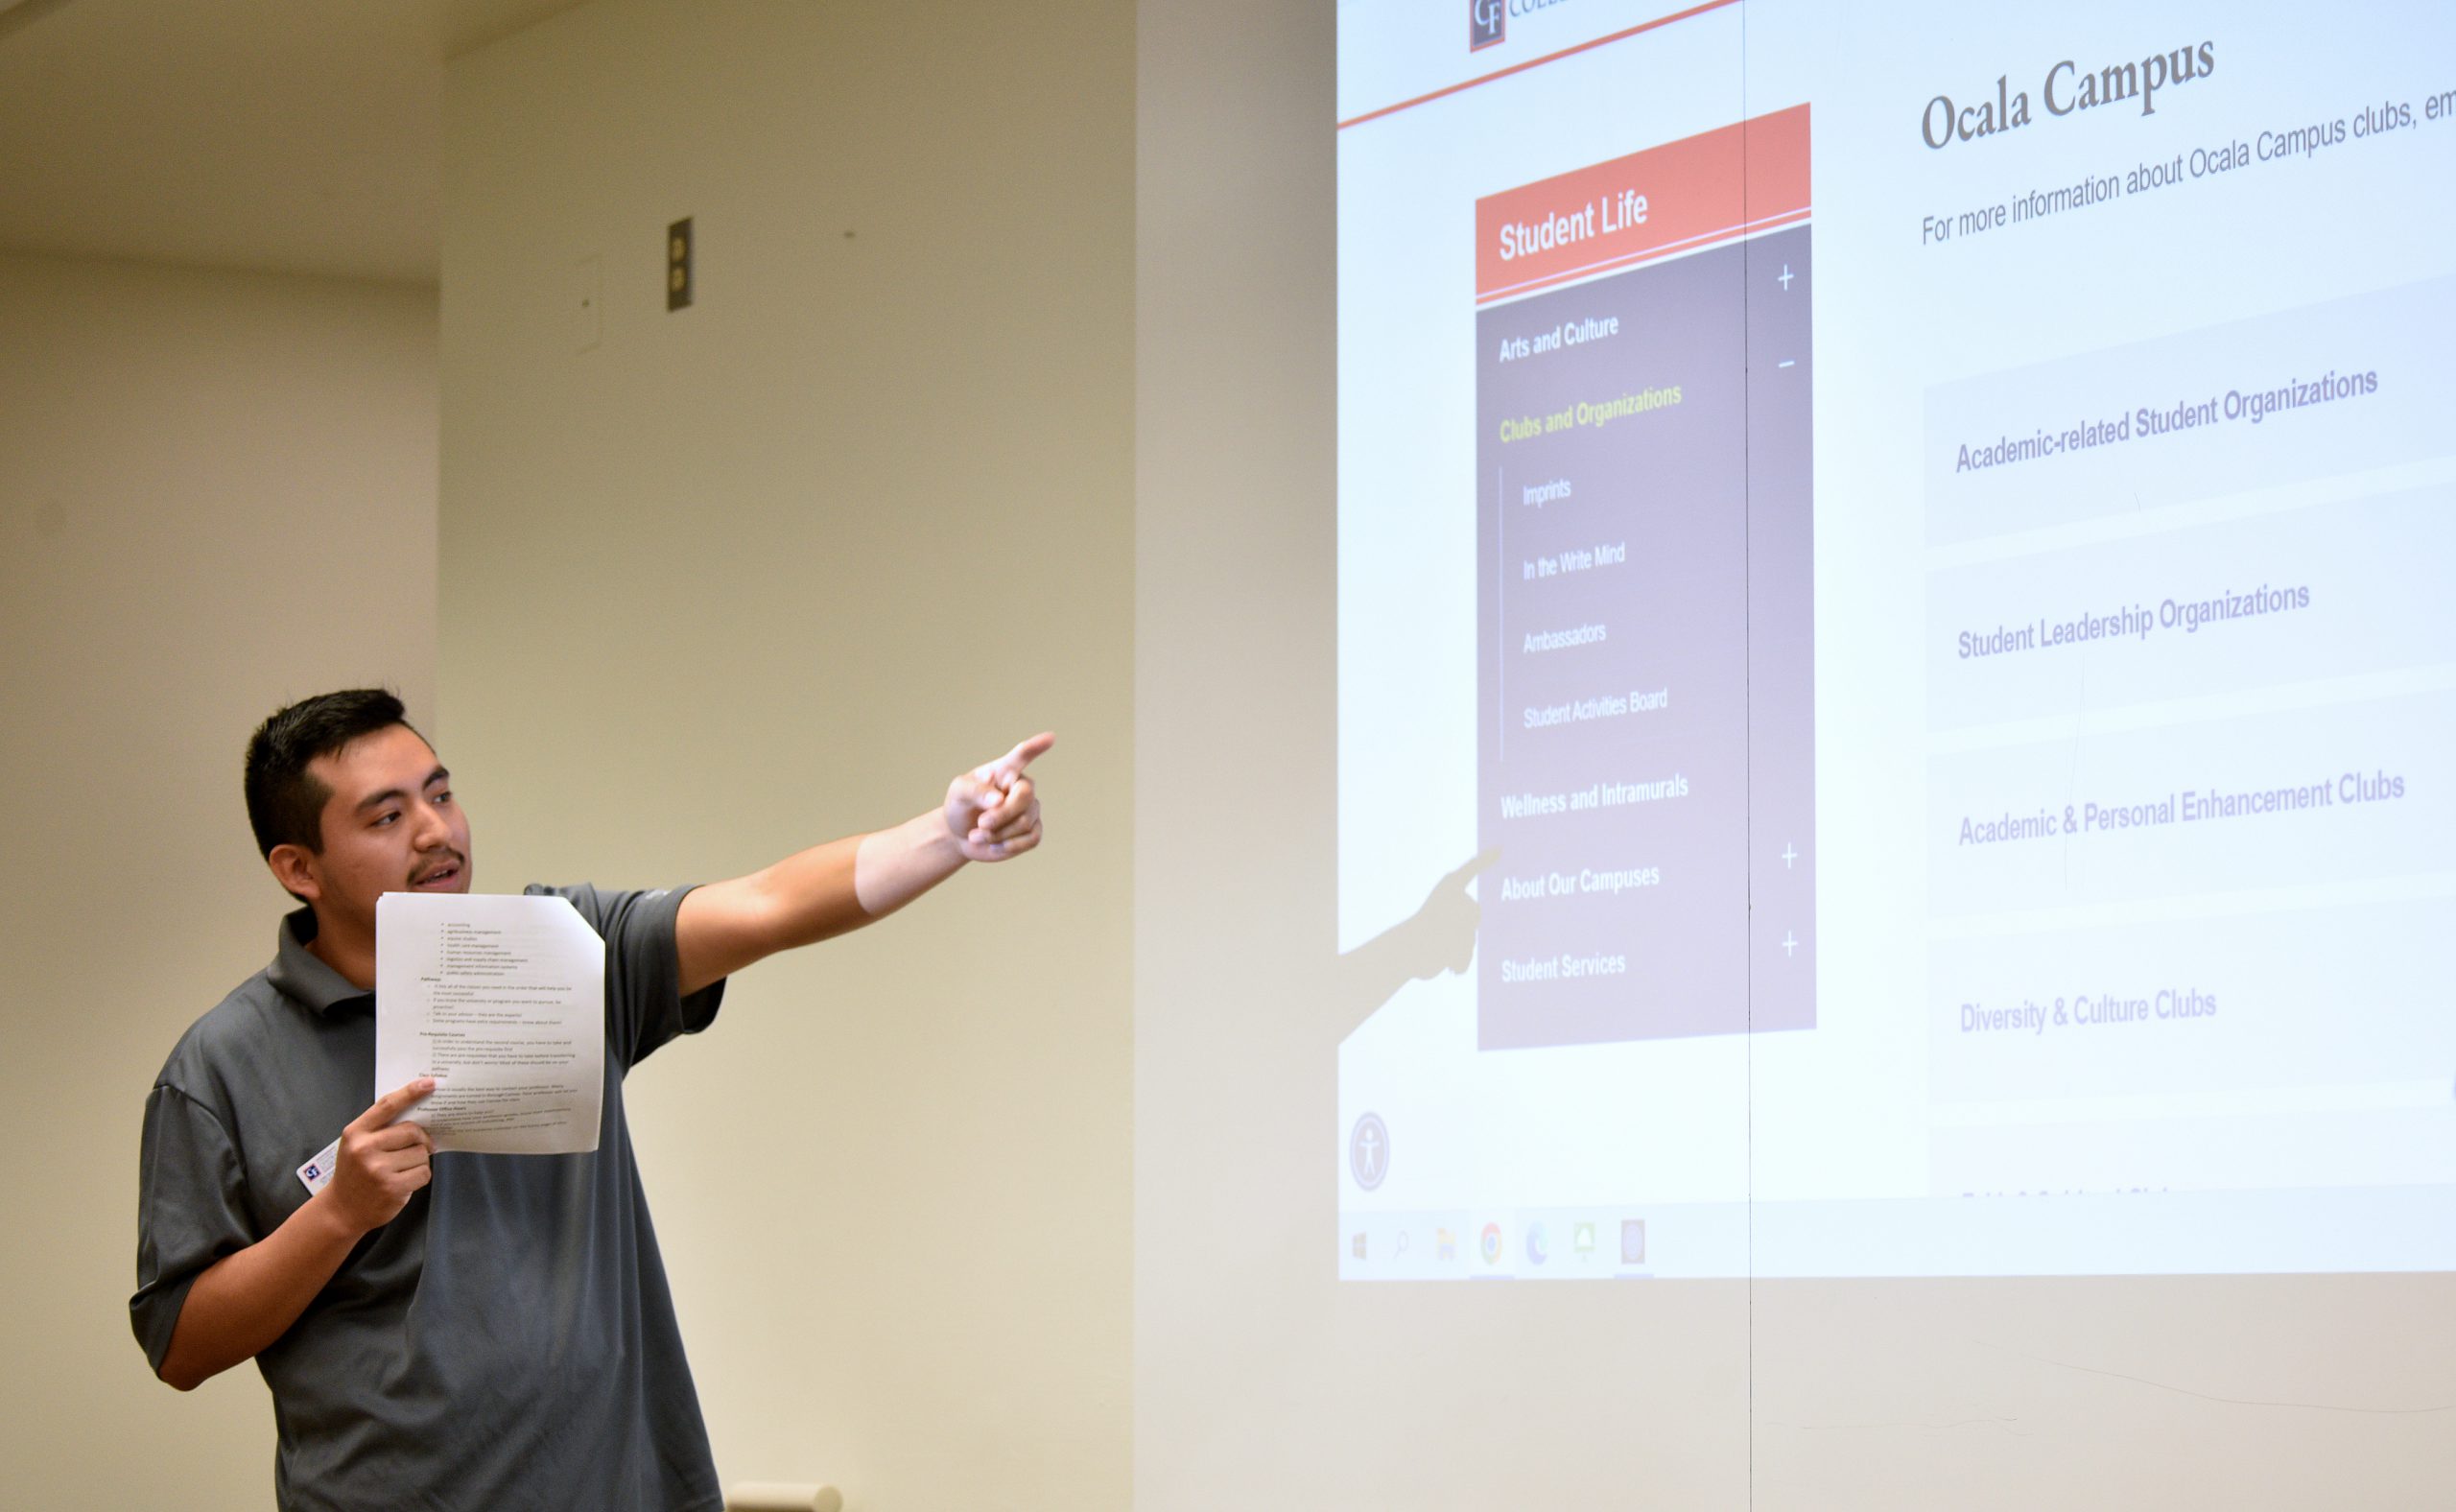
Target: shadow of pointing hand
x: 1442, y: 934
x: 1438, y: 937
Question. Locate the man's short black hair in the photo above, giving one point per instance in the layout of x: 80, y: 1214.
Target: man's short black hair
x: 285, y: 805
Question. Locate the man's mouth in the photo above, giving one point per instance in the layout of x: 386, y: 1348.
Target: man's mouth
x: 440, y: 876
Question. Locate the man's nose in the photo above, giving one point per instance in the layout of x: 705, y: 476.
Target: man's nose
x: 433, y: 829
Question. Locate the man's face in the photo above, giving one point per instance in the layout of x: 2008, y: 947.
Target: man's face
x: 390, y: 826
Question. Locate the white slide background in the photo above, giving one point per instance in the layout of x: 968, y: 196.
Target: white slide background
x: 2283, y: 1094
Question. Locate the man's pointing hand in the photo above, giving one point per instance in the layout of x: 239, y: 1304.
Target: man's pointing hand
x: 993, y: 810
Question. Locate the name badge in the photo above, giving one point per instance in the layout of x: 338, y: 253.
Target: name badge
x: 317, y: 1173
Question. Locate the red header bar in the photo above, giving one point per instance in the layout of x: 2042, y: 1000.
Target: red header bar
x: 1728, y: 182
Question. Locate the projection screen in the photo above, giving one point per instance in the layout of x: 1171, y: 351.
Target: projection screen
x: 1891, y: 587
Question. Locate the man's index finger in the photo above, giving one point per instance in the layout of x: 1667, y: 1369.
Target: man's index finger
x: 395, y: 1103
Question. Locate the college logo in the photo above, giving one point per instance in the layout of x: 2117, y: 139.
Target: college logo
x: 1487, y: 23
x: 1368, y: 1151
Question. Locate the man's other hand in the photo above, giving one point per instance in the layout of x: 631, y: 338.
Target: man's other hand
x: 382, y: 1161
x: 992, y: 811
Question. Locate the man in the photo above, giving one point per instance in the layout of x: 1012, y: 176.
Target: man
x: 468, y: 1331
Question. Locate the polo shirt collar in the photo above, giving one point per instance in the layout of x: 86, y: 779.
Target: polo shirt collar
x: 300, y: 976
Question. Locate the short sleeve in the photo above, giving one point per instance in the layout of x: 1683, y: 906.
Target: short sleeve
x: 191, y: 1210
x: 643, y: 1002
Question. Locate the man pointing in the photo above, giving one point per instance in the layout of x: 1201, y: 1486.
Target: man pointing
x: 465, y: 1330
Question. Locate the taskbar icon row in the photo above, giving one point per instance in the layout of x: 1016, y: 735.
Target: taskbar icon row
x: 1563, y: 1244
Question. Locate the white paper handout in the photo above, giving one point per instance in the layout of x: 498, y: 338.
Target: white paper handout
x: 501, y: 1001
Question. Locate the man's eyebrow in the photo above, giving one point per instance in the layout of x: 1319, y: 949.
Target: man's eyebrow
x: 396, y: 795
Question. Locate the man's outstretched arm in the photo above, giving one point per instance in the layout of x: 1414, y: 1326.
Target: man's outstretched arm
x: 992, y: 813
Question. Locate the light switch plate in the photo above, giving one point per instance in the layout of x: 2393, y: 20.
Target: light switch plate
x: 677, y: 264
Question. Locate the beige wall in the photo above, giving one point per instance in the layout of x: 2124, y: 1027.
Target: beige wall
x: 220, y: 494
x: 774, y: 568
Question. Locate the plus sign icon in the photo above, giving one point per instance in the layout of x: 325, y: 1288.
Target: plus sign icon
x: 1368, y: 1151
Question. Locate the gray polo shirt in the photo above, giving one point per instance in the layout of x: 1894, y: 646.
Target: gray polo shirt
x: 509, y: 1340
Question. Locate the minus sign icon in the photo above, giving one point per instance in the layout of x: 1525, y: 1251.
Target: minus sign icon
x: 1786, y: 363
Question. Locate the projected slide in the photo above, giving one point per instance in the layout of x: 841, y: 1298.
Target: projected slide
x: 1904, y: 568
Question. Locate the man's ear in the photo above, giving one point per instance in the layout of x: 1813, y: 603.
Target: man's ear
x: 296, y: 868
